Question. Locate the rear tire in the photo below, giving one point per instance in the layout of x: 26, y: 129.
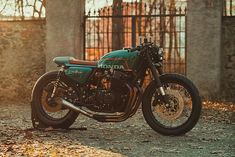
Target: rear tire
x: 64, y: 122
x: 193, y: 118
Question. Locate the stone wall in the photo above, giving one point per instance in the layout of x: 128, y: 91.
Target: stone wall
x: 228, y: 56
x: 22, y: 58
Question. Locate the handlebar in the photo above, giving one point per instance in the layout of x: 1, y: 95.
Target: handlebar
x: 140, y: 47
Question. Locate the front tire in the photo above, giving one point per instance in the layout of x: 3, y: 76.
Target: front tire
x: 43, y: 112
x: 180, y: 105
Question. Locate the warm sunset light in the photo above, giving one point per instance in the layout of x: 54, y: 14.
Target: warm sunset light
x: 117, y: 78
x: 23, y: 8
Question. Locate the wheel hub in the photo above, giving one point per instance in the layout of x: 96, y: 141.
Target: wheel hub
x: 48, y: 103
x: 175, y: 108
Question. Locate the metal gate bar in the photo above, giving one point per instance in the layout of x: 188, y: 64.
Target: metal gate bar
x: 109, y: 28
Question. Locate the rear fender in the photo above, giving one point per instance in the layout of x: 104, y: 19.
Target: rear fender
x: 40, y: 78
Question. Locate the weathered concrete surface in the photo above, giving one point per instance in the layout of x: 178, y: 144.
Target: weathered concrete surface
x: 228, y: 58
x: 204, y: 45
x: 22, y: 58
x: 213, y: 136
x: 64, y: 29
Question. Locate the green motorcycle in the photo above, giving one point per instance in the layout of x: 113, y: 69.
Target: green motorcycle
x: 110, y: 90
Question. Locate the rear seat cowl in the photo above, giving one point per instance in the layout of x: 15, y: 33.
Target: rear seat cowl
x: 62, y: 60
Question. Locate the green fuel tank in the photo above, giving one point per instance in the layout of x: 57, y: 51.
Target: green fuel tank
x: 120, y: 59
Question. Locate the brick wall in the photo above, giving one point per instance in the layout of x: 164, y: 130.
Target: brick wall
x: 22, y: 58
x: 228, y: 58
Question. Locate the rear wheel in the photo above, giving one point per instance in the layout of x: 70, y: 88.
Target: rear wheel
x: 48, y: 111
x: 183, y: 110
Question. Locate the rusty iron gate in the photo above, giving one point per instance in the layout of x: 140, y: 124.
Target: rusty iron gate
x: 118, y: 26
x: 228, y: 8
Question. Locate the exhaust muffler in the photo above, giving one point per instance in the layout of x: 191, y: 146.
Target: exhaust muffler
x: 73, y: 107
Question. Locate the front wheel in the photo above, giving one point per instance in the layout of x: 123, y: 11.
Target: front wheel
x: 184, y: 108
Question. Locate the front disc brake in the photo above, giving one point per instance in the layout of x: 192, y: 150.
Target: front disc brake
x: 176, y: 106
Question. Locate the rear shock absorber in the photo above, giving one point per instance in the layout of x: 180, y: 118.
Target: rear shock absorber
x: 57, y: 81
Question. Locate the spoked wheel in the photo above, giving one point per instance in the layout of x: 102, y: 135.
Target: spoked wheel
x: 183, y: 110
x: 48, y: 111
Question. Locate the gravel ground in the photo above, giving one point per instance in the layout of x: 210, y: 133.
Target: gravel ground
x: 212, y: 136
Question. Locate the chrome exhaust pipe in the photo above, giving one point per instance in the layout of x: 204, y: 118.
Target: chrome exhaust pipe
x: 72, y: 107
x: 86, y: 113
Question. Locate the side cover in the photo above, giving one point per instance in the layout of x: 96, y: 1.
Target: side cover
x: 78, y: 73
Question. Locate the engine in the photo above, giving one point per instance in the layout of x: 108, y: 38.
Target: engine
x: 108, y: 92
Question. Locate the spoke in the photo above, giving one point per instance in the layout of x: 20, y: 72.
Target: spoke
x: 53, y: 110
x: 181, y: 102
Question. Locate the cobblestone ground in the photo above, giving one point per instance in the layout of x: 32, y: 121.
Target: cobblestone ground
x: 212, y: 136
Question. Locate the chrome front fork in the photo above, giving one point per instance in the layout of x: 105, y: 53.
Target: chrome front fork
x: 162, y: 91
x: 157, y: 80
